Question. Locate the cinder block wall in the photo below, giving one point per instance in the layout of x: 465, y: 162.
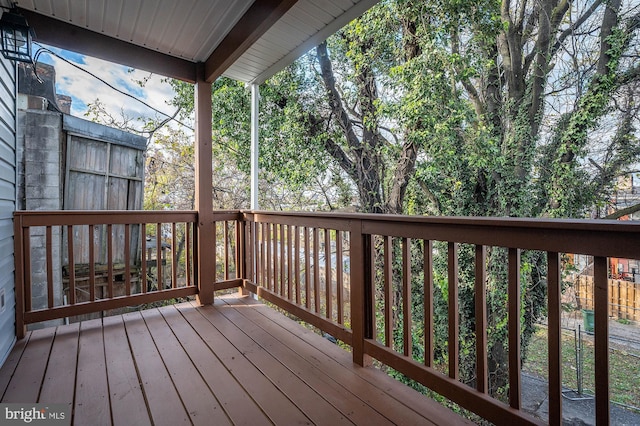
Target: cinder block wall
x: 40, y: 144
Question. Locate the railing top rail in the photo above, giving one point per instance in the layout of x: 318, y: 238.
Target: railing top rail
x: 114, y: 217
x: 498, y: 222
x: 98, y: 217
x: 607, y: 238
x: 600, y: 225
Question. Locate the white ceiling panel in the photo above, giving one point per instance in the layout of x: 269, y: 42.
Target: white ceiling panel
x: 193, y: 29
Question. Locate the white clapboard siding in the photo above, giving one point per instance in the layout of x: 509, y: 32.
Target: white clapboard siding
x: 7, y: 203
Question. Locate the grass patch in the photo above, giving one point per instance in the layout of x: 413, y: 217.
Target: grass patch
x: 624, y: 366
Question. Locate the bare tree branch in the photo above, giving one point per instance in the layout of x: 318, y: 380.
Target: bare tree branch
x: 623, y: 212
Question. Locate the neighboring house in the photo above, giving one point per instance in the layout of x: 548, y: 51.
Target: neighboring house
x: 67, y: 163
x: 8, y: 196
x: 627, y: 195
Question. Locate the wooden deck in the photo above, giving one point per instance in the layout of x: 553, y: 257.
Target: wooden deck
x: 237, y: 362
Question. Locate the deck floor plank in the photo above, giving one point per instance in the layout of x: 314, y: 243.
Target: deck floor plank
x: 202, y: 406
x: 60, y: 379
x: 27, y: 379
x: 124, y: 384
x: 341, y: 398
x: 307, y: 399
x: 275, y: 404
x: 92, y: 390
x: 163, y: 401
x: 236, y: 401
x: 392, y: 409
x: 11, y: 363
x: 425, y: 407
x: 234, y: 362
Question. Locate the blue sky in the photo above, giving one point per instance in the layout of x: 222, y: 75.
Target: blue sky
x: 85, y: 89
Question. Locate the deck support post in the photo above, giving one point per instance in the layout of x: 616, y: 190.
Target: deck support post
x: 204, y: 191
x: 362, y: 322
x: 255, y: 152
x: 20, y: 238
x: 255, y: 102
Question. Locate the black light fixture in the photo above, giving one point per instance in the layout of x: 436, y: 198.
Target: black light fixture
x: 16, y: 36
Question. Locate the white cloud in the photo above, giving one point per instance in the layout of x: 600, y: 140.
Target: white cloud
x: 85, y: 88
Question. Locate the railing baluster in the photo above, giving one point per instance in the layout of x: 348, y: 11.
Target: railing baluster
x: 257, y: 235
x: 49, y: 255
x: 127, y: 259
x: 601, y: 338
x: 276, y: 264
x: 387, y: 262
x: 454, y: 349
x: 327, y: 270
x: 263, y: 256
x: 174, y: 259
x: 187, y: 253
x: 92, y: 264
x: 481, y: 319
x: 428, y: 302
x: 307, y: 271
x: 143, y: 255
x: 297, y: 264
x: 240, y: 265
x: 26, y: 237
x: 276, y: 258
x: 72, y: 266
x: 257, y: 251
x: 370, y: 331
x: 281, y: 262
x: 554, y: 336
x: 339, y: 277
x: 316, y: 271
x: 214, y: 242
x: 159, y: 268
x: 514, y: 328
x: 406, y: 295
x: 245, y: 253
x: 109, y: 261
x: 225, y: 224
x: 289, y: 264
x: 269, y: 242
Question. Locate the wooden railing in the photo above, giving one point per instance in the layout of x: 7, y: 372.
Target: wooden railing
x: 351, y: 275
x: 302, y: 264
x: 74, y: 263
x: 311, y: 264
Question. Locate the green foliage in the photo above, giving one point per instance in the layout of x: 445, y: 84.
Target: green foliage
x: 289, y: 156
x: 498, y: 113
x: 483, y: 146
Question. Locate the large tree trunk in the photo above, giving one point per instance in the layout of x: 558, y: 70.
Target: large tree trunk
x: 361, y: 158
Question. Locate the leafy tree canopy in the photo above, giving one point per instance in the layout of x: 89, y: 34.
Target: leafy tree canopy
x: 450, y: 107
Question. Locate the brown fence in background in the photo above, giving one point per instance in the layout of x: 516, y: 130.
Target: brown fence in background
x: 624, y: 297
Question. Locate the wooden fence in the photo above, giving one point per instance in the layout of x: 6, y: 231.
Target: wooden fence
x: 624, y: 297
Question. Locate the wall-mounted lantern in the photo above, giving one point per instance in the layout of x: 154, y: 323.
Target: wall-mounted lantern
x: 16, y: 36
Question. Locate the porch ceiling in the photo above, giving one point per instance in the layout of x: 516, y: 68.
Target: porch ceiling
x: 246, y: 40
